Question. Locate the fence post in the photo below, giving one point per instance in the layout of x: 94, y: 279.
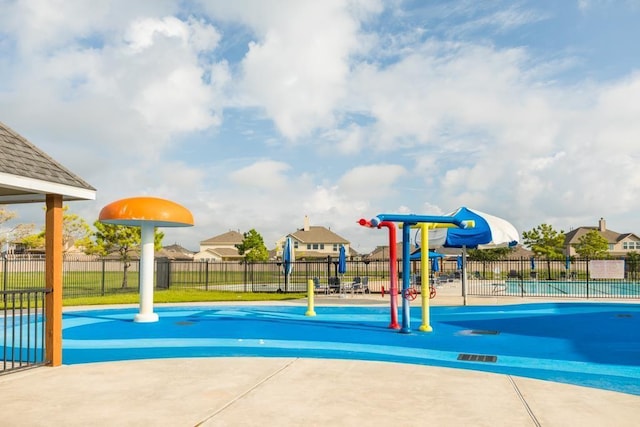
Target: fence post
x: 245, y: 274
x: 5, y: 274
x: 102, y: 279
x: 587, y: 278
x: 206, y: 276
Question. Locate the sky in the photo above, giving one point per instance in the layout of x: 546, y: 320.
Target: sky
x: 255, y: 113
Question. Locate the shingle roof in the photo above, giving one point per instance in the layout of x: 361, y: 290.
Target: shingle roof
x: 228, y: 238
x: 574, y: 235
x: 318, y: 234
x: 20, y: 158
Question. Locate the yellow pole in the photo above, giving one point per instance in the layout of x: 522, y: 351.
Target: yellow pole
x: 310, y: 292
x: 424, y: 272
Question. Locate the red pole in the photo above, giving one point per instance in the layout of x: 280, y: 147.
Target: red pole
x: 393, y: 272
x: 393, y: 269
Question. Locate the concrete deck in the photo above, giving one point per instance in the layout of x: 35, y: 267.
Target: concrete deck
x: 293, y: 392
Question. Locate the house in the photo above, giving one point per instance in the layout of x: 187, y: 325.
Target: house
x: 382, y: 252
x: 620, y: 244
x: 220, y: 248
x: 313, y: 242
x: 175, y: 252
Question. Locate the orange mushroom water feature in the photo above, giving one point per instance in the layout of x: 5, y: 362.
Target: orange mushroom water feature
x: 146, y: 213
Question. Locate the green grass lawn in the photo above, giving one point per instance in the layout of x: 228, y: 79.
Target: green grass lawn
x: 182, y: 295
x: 159, y: 297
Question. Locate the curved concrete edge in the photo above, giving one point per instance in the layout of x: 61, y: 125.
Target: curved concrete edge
x: 292, y: 392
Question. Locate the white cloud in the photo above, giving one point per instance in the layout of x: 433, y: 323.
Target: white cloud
x: 264, y: 174
x: 389, y: 112
x: 371, y: 181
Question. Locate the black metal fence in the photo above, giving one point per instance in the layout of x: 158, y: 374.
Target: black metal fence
x: 514, y: 277
x: 23, y: 329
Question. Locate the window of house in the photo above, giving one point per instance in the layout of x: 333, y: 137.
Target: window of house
x: 335, y: 247
x: 630, y: 245
x: 315, y: 246
x: 295, y: 244
x: 308, y: 247
x: 322, y: 246
x: 611, y: 246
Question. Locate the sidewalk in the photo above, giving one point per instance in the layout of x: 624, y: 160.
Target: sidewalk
x: 294, y: 392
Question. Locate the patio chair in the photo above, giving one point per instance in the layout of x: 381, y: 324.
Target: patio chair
x: 334, y: 284
x: 513, y: 274
x: 362, y: 285
x: 319, y: 288
x: 350, y: 286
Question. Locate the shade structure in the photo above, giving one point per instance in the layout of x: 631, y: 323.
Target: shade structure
x: 138, y: 210
x: 146, y: 213
x: 342, y: 260
x: 487, y: 231
x: 415, y: 256
x: 287, y: 261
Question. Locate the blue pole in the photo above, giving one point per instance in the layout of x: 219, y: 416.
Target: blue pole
x: 406, y: 278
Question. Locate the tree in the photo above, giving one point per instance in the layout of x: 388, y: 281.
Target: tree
x: 33, y: 240
x: 545, y: 241
x: 633, y: 264
x: 15, y: 234
x: 493, y: 254
x: 592, y: 245
x: 75, y: 231
x: 252, y: 247
x: 123, y: 240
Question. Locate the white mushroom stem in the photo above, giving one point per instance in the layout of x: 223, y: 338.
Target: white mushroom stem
x: 146, y: 313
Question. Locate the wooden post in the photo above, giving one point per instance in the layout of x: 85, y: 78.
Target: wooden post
x: 53, y: 277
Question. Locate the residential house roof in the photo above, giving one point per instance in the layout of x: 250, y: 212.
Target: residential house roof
x: 28, y: 174
x: 382, y: 252
x: 318, y: 234
x: 229, y: 238
x: 175, y: 252
x: 611, y: 236
x: 225, y: 253
x: 574, y: 235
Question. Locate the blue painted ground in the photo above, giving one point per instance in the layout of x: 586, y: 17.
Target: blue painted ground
x: 590, y: 344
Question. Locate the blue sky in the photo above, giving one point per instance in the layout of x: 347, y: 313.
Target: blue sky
x: 255, y: 113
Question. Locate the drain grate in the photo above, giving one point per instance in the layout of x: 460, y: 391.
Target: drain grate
x: 624, y: 315
x: 477, y: 358
x: 184, y: 323
x: 484, y: 332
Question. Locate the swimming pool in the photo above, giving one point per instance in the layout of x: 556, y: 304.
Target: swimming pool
x: 581, y: 289
x: 590, y: 344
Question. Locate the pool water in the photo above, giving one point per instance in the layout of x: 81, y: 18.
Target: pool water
x: 590, y: 344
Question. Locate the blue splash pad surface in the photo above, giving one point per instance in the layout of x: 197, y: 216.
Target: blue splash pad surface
x: 589, y: 344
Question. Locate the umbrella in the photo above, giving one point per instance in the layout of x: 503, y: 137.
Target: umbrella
x: 488, y: 231
x: 459, y: 262
x: 533, y: 263
x: 287, y: 261
x: 435, y: 264
x: 342, y: 260
x: 567, y: 263
x: 342, y: 265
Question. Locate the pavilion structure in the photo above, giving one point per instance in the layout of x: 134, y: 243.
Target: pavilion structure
x: 29, y: 175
